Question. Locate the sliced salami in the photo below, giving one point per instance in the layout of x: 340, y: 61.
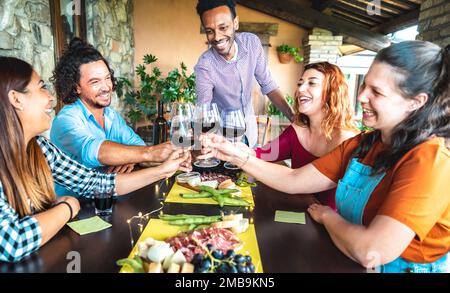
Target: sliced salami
x: 221, y: 239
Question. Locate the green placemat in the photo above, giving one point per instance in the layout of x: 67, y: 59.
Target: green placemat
x: 89, y: 225
x: 290, y: 217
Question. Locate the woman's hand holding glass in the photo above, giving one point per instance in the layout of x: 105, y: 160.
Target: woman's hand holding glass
x: 233, y: 128
x: 217, y: 146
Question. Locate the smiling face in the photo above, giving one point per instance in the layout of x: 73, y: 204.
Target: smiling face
x: 37, y: 105
x: 95, y: 86
x: 220, y: 28
x: 309, y: 92
x: 383, y: 105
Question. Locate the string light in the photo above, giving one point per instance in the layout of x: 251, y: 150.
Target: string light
x: 140, y: 217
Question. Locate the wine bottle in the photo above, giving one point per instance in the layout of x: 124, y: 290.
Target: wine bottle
x: 160, y: 126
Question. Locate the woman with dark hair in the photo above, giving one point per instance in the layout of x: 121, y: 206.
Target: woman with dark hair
x: 393, y: 204
x: 30, y: 214
x: 323, y: 120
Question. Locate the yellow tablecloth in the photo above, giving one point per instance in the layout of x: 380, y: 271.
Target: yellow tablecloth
x: 174, y: 196
x: 160, y: 230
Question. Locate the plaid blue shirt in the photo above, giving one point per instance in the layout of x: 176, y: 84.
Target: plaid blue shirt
x: 21, y: 236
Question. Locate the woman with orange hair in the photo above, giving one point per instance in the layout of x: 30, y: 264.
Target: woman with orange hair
x: 322, y: 121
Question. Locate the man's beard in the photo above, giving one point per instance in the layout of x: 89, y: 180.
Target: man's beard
x: 95, y: 104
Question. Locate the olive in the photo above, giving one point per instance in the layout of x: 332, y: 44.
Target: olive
x: 197, y: 259
x: 233, y: 270
x: 248, y: 259
x: 206, y: 264
x: 241, y: 269
x: 230, y: 253
x: 218, y: 254
x: 200, y: 270
x: 210, y: 247
x: 251, y: 267
x: 239, y: 258
x: 223, y: 268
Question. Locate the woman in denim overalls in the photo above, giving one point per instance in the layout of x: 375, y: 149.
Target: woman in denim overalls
x: 405, y: 99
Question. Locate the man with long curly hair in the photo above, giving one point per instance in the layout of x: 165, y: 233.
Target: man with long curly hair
x: 86, y: 128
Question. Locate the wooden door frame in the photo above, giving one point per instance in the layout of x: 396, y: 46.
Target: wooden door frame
x: 58, y: 32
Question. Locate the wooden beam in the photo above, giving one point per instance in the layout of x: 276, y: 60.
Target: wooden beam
x: 392, y: 5
x: 398, y: 23
x: 357, y: 12
x: 309, y: 18
x: 321, y: 5
x: 352, y: 19
x: 270, y: 29
x: 363, y: 7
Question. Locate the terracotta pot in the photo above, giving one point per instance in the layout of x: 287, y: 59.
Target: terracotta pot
x: 284, y: 58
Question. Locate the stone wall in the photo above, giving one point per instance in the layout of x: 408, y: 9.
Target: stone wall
x: 434, y: 22
x: 321, y: 45
x: 110, y: 30
x: 26, y: 33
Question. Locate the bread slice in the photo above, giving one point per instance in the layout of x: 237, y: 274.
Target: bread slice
x: 227, y: 184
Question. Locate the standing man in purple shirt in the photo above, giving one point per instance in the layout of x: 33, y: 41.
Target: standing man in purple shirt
x: 224, y: 73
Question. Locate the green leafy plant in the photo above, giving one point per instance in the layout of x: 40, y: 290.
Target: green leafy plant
x: 272, y: 110
x: 294, y: 51
x: 179, y: 86
x: 141, y: 102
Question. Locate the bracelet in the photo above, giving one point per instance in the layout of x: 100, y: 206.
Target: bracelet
x: 245, y: 161
x: 70, y: 208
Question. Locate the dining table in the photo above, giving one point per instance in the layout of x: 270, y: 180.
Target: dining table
x: 283, y: 247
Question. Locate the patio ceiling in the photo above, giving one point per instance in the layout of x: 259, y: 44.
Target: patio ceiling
x: 349, y: 18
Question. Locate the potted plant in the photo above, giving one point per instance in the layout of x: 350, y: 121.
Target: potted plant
x: 179, y: 86
x: 272, y: 110
x: 141, y: 102
x: 286, y: 53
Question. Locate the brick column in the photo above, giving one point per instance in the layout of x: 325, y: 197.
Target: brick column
x: 434, y: 22
x: 321, y: 45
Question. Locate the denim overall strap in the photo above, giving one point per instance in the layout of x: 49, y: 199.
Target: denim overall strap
x: 354, y: 190
x: 352, y: 194
x: 400, y: 265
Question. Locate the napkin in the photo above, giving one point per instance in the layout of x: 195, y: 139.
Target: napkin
x: 89, y: 225
x: 290, y: 217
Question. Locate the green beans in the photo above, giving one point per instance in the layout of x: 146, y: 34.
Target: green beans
x: 222, y: 196
x: 191, y: 220
x: 227, y: 191
x: 235, y: 201
x: 202, y: 194
x: 211, y: 190
x: 196, y: 221
x: 166, y: 217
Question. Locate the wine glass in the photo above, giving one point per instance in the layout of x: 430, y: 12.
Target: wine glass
x: 181, y: 132
x: 233, y: 128
x: 206, y: 120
